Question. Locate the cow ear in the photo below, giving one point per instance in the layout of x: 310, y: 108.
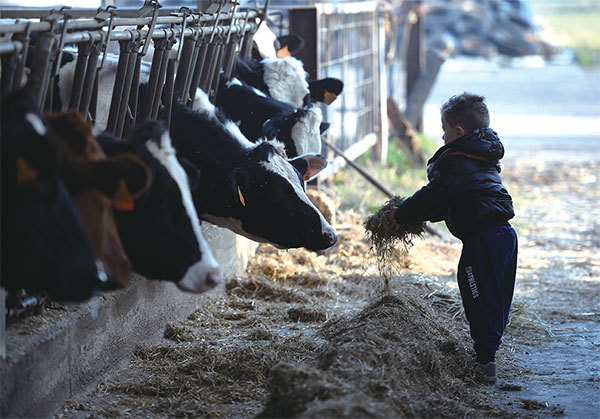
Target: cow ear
x: 309, y: 165
x: 239, y: 185
x: 269, y: 130
x: 124, y: 178
x: 329, y: 97
x: 25, y: 173
x: 324, y: 127
x: 193, y: 173
x: 283, y: 52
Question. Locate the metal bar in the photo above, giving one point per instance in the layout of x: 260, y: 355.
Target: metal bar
x: 90, y: 78
x: 214, y: 71
x: 196, y: 77
x: 183, y: 72
x: 159, y: 50
x: 24, y: 39
x: 133, y: 96
x: 167, y: 94
x: 127, y: 88
x: 40, y: 67
x: 92, y: 24
x: 212, y: 54
x: 9, y: 67
x: 125, y: 47
x: 83, y: 53
x: 161, y: 78
x: 94, y: 101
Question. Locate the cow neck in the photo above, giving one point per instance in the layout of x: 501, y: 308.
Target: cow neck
x: 165, y: 154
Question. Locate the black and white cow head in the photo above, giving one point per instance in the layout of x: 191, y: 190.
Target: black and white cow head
x: 250, y: 188
x: 44, y: 244
x: 162, y: 234
x: 286, y: 80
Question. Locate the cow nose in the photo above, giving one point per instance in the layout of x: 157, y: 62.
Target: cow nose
x: 330, y: 236
x: 212, y: 280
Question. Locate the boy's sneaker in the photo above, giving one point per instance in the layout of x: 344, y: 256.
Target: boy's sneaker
x: 489, y: 371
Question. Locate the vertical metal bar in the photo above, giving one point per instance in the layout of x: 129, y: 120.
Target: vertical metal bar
x: 90, y: 77
x: 211, y: 58
x: 153, y: 81
x: 216, y: 74
x: 167, y: 94
x: 133, y: 96
x: 127, y: 89
x: 94, y: 101
x: 24, y: 38
x: 125, y: 47
x: 200, y: 64
x: 2, y: 323
x: 161, y: 77
x: 183, y: 72
x: 83, y: 53
x: 9, y: 65
x: 40, y: 67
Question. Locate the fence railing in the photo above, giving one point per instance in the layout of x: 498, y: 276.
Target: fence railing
x: 207, y: 43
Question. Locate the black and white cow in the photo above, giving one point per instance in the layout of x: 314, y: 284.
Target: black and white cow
x: 260, y: 116
x: 162, y: 234
x: 44, y: 244
x: 250, y: 188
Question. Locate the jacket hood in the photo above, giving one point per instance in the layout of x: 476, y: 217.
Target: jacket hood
x: 482, y: 142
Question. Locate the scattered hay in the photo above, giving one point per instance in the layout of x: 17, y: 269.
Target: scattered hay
x: 533, y: 404
x: 261, y: 288
x: 305, y: 314
x: 387, y: 239
x: 178, y: 333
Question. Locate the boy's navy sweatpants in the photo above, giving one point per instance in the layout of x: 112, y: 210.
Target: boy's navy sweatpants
x: 486, y: 278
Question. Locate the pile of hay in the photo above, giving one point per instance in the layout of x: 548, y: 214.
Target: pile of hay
x: 390, y: 241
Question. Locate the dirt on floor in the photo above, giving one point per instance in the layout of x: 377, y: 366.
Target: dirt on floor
x: 307, y: 334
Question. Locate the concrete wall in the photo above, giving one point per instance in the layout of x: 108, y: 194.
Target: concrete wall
x: 66, y: 350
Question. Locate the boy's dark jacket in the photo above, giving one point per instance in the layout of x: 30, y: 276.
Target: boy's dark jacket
x: 464, y: 187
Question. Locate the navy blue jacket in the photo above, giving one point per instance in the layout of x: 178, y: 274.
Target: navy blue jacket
x: 464, y: 187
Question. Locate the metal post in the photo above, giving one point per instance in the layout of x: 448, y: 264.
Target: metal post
x: 167, y: 94
x: 161, y: 76
x: 133, y: 96
x: 127, y: 87
x: 90, y: 77
x: 153, y: 81
x: 40, y: 67
x: 183, y: 72
x: 24, y: 38
x: 125, y: 47
x: 83, y: 53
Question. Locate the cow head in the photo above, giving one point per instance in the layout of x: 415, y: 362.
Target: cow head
x: 96, y: 184
x: 270, y: 202
x: 162, y: 233
x: 45, y: 247
x: 300, y: 131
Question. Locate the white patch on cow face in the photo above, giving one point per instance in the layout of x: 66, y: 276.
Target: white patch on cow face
x: 233, y: 82
x: 283, y: 168
x: 286, y: 80
x: 265, y: 39
x: 195, y: 279
x: 306, y: 132
x: 36, y: 123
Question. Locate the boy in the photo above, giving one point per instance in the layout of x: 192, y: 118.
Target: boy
x: 466, y: 192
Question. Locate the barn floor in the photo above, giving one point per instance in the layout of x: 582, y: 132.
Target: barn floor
x: 314, y: 335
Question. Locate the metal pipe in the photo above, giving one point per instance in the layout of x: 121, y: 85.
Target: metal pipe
x: 90, y: 77
x: 213, y: 75
x: 127, y: 88
x: 83, y: 53
x: 125, y: 47
x: 167, y: 94
x: 161, y: 78
x: 159, y: 50
x: 40, y: 67
x: 183, y: 72
x: 133, y: 96
x: 197, y: 76
x: 24, y: 39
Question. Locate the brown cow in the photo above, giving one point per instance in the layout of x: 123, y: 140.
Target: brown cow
x: 97, y: 183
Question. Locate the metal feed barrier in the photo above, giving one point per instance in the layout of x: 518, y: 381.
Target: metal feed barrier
x: 207, y: 44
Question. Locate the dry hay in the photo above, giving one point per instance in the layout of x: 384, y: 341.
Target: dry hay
x: 398, y: 357
x: 387, y: 239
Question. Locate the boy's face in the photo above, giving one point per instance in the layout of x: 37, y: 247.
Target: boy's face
x: 451, y: 133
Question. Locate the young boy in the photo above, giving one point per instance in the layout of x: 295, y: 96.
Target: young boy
x: 466, y: 192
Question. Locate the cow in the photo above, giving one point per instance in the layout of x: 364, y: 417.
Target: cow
x: 162, y: 234
x: 250, y: 188
x: 325, y: 90
x: 44, y: 245
x: 260, y: 116
x: 96, y: 183
x: 289, y: 44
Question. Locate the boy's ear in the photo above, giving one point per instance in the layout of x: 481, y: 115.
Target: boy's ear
x: 460, y: 131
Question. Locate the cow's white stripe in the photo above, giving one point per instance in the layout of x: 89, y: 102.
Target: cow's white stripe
x: 306, y: 132
x: 265, y: 39
x: 283, y: 168
x: 166, y: 155
x: 36, y: 123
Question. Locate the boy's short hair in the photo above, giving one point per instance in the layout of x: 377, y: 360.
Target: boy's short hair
x: 467, y: 110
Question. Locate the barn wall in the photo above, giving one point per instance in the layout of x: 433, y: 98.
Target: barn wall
x: 53, y: 357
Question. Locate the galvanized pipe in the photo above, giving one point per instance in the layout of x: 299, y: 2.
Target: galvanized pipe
x: 127, y: 88
x: 167, y: 94
x: 213, y: 75
x: 125, y: 47
x: 153, y: 81
x: 40, y: 67
x: 200, y: 64
x: 90, y: 77
x: 161, y: 78
x: 83, y: 53
x: 133, y: 96
x: 183, y: 72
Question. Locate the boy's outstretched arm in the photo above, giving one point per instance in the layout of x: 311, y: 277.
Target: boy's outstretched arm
x: 429, y: 203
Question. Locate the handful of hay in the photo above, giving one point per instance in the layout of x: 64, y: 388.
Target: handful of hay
x: 386, y: 238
